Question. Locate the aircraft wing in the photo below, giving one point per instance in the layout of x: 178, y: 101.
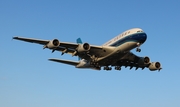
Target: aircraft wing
x: 133, y: 61
x: 64, y: 47
x: 131, y: 64
x: 38, y: 41
x: 45, y: 42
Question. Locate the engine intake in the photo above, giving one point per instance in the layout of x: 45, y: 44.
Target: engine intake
x: 83, y: 47
x: 154, y: 66
x: 53, y: 44
x: 144, y: 60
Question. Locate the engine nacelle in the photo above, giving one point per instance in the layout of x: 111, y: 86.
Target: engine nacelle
x: 154, y: 66
x: 83, y: 47
x: 144, y: 60
x: 53, y: 44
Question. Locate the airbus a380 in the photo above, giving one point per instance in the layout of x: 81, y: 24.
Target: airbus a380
x: 114, y: 53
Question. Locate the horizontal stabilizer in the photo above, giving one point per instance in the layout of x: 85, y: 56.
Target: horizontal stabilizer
x: 74, y: 63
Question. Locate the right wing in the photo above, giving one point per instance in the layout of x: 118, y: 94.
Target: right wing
x: 71, y: 48
x: 51, y: 44
x: 31, y: 40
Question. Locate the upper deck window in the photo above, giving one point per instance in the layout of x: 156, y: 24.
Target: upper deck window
x: 139, y: 31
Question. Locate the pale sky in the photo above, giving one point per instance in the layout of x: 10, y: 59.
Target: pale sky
x: 28, y: 79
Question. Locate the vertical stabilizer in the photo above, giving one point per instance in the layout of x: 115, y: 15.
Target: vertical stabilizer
x: 79, y: 41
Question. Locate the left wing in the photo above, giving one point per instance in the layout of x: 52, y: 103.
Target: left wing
x: 131, y: 60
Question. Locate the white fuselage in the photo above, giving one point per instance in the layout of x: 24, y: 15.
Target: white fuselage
x: 135, y: 35
x: 123, y: 43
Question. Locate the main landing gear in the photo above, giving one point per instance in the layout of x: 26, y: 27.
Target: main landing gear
x: 117, y: 68
x: 107, y: 68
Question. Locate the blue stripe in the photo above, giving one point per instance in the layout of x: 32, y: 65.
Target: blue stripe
x: 138, y: 37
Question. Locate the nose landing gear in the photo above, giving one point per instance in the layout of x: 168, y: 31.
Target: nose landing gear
x: 138, y: 49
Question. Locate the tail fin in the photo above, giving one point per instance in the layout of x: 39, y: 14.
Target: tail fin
x: 79, y: 41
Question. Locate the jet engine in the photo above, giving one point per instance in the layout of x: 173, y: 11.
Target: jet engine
x: 53, y: 44
x: 144, y: 60
x: 154, y: 66
x: 83, y: 47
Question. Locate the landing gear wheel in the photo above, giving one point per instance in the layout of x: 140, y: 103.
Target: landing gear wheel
x: 117, y: 68
x: 138, y: 50
x: 107, y: 68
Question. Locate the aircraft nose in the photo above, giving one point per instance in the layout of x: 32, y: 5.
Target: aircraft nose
x: 143, y: 38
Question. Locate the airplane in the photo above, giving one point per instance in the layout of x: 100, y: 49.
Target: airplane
x: 114, y: 53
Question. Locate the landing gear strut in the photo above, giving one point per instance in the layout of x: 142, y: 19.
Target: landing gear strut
x: 138, y: 49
